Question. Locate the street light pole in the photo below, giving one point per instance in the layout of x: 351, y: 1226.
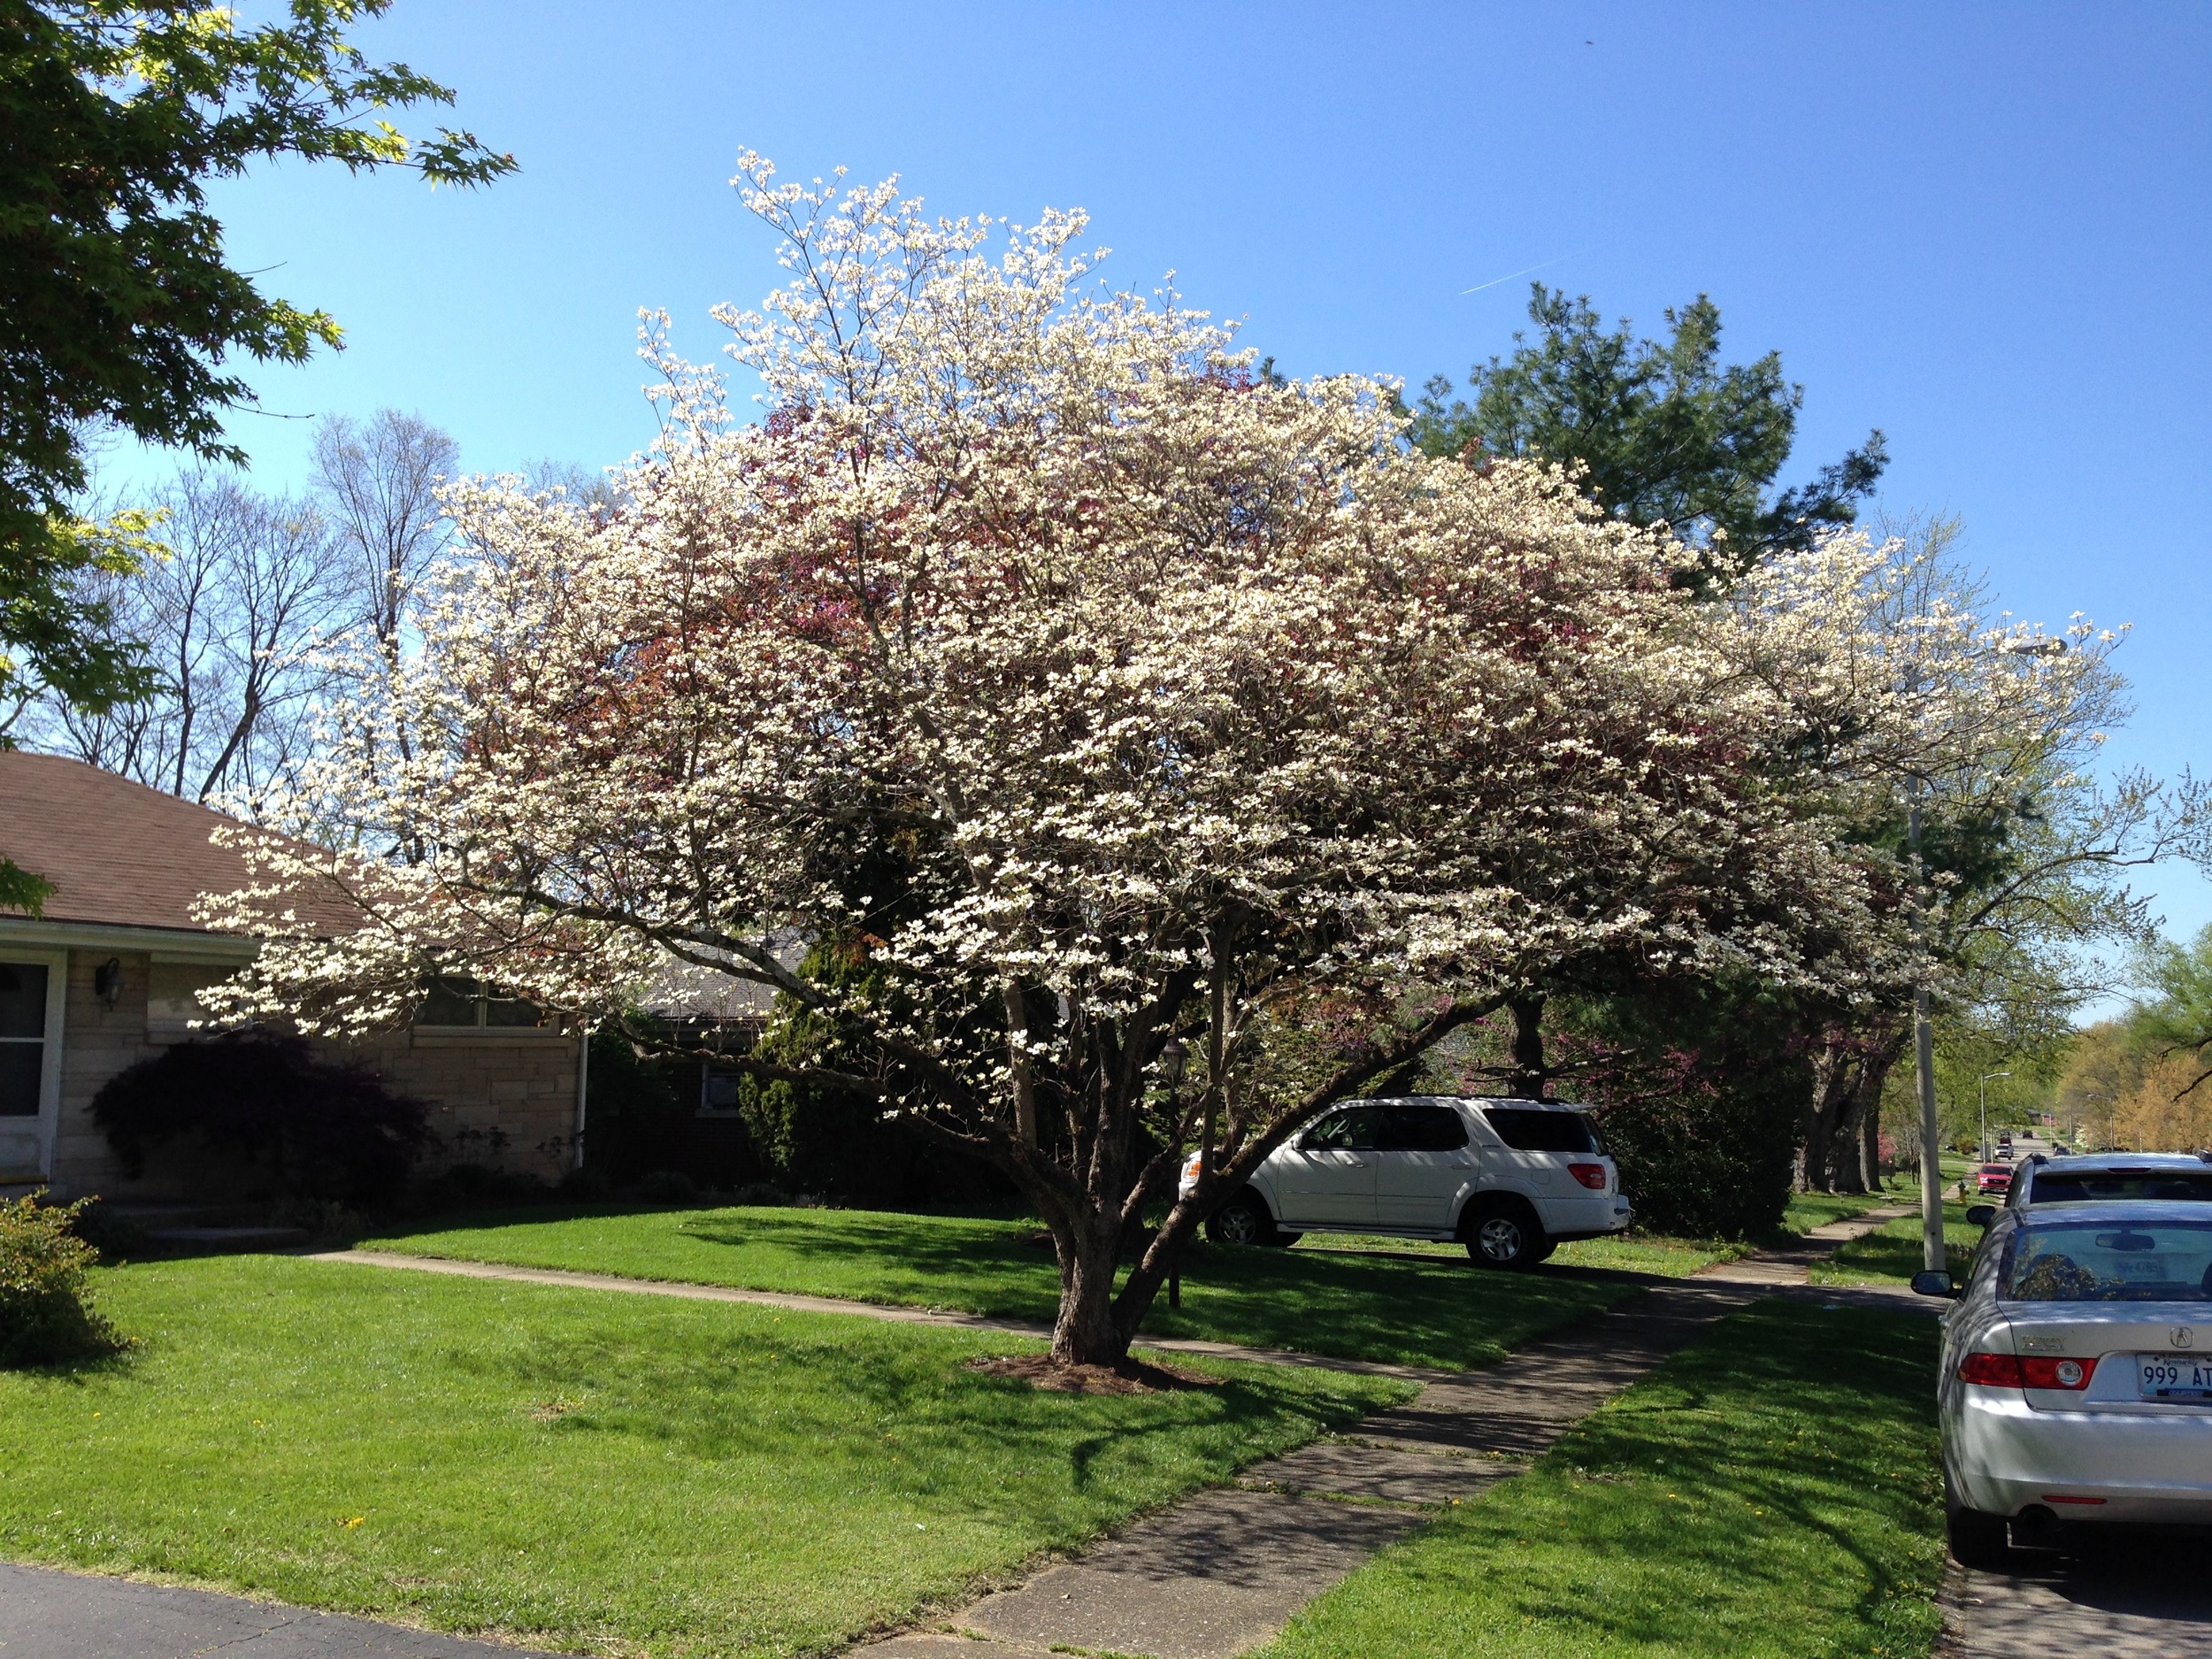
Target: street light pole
x: 1985, y: 1092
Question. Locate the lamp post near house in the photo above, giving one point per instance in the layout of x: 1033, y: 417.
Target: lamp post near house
x: 1173, y: 1057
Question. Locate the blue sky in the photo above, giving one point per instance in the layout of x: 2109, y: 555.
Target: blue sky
x: 1987, y: 229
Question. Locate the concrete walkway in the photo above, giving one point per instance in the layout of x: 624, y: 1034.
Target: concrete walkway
x: 889, y: 1312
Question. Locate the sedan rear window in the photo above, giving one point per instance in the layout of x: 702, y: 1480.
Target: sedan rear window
x: 1526, y: 1129
x: 2137, y: 1260
x: 2074, y: 1186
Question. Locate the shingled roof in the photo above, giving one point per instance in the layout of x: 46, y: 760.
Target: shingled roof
x: 119, y: 853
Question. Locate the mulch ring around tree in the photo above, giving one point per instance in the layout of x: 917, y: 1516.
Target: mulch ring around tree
x: 1131, y: 1376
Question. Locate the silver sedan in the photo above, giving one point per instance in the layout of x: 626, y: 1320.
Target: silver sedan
x: 2077, y: 1382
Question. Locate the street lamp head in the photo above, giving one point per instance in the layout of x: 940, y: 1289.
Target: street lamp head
x: 1173, y: 1057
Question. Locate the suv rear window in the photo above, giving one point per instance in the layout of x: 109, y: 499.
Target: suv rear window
x: 2075, y: 1186
x: 1526, y: 1129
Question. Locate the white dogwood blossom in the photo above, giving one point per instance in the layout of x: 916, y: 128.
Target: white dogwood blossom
x: 1082, y: 688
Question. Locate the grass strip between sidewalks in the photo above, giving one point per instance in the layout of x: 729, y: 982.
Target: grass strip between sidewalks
x: 1770, y: 1493
x: 580, y: 1471
x: 1400, y: 1308
x: 1893, y: 1253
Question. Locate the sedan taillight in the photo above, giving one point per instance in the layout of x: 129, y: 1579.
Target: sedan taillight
x: 1992, y: 1370
x: 2033, y: 1371
x: 1591, y: 1175
x: 2038, y: 1372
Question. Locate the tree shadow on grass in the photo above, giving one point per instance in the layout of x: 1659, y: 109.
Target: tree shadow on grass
x: 899, y: 1414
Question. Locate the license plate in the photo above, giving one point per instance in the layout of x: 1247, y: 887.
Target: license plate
x: 2181, y: 1379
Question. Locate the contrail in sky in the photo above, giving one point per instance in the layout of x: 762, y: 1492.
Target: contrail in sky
x: 1526, y: 270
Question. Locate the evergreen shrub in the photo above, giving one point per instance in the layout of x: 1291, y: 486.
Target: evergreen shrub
x: 44, y: 1316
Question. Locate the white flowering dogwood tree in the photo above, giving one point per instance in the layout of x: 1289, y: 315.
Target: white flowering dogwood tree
x: 1072, y: 690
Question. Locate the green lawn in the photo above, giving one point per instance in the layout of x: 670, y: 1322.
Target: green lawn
x: 608, y: 1474
x: 1404, y: 1306
x: 1773, y: 1492
x: 1893, y: 1253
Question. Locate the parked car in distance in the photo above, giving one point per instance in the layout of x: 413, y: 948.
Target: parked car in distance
x: 1510, y: 1178
x: 2076, y: 1386
x: 1994, y: 1177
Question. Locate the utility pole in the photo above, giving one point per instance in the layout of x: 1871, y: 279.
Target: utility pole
x: 1931, y: 1252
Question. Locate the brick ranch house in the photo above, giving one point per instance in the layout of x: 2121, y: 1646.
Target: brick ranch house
x: 109, y: 973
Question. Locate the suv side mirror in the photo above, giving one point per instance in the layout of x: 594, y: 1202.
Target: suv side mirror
x: 1982, y: 1215
x: 1933, y: 1282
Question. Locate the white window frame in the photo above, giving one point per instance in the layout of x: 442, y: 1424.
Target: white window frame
x: 57, y: 965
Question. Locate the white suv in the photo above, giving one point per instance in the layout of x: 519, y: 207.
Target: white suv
x: 1510, y: 1179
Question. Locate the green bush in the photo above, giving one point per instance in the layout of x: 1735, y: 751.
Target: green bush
x: 1702, y: 1092
x: 45, y: 1319
x: 263, y: 1103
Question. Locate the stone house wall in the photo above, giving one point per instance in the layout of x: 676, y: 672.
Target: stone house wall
x: 504, y: 1098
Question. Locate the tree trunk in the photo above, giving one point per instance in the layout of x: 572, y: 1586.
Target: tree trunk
x: 1086, y: 1333
x: 1846, y: 1171
x: 1529, y: 1071
x: 1833, y: 1072
x: 1873, y: 1079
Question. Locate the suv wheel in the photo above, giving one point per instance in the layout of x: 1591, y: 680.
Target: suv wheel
x: 1244, y: 1220
x: 1503, y: 1232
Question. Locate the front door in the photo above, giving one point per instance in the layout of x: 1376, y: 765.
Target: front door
x: 1328, y: 1175
x: 27, y: 1089
x: 1421, y: 1162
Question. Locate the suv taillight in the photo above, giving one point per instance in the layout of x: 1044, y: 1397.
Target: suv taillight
x: 1190, y: 1170
x: 1591, y: 1175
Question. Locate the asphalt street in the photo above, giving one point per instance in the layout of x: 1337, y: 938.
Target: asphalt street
x: 2130, y: 1595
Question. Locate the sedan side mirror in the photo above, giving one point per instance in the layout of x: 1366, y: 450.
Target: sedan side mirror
x: 1933, y: 1282
x: 1982, y: 1215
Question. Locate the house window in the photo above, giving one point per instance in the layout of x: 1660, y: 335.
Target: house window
x: 718, y: 1089
x: 458, y: 1004
x: 22, y: 1036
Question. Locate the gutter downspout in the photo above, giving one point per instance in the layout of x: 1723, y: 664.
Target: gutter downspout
x: 583, y: 1087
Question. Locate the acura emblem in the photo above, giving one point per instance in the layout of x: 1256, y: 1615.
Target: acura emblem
x: 2182, y: 1336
